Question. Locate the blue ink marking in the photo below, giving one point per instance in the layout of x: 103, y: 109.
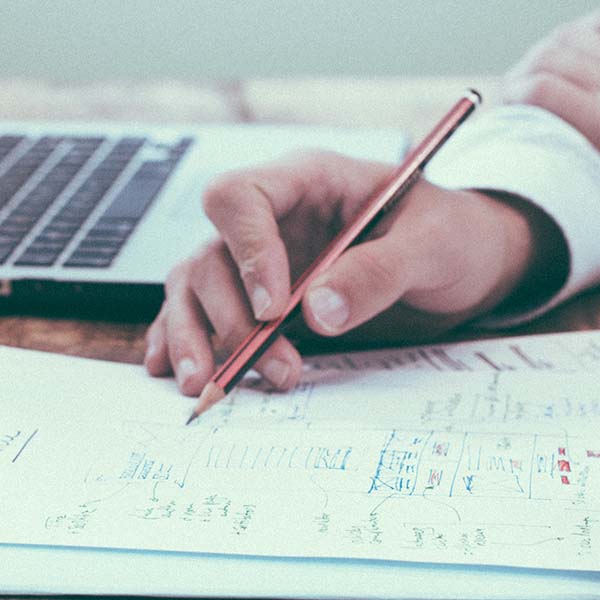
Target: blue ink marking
x: 325, y: 460
x: 518, y: 482
x: 256, y: 457
x: 243, y: 457
x: 24, y: 445
x: 218, y: 457
x: 308, y: 457
x: 281, y: 457
x: 468, y: 479
x: 531, y: 466
x: 462, y: 449
x: 401, y: 467
x: 229, y: 456
x: 268, y: 456
x: 379, y: 466
x: 425, y: 442
x: 291, y: 458
x: 209, y: 456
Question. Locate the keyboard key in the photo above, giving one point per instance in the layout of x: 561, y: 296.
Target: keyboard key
x: 7, y: 144
x: 10, y: 141
x: 119, y: 227
x: 32, y: 258
x: 88, y: 259
x: 53, y: 236
x: 14, y: 228
x: 9, y: 237
x: 41, y: 253
x: 133, y: 200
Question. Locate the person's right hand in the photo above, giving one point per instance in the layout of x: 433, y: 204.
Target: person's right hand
x: 440, y: 257
x: 562, y: 75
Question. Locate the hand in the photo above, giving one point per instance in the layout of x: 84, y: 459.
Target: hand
x: 562, y: 75
x: 439, y: 258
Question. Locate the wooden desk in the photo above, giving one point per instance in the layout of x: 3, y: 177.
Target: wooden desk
x: 412, y: 104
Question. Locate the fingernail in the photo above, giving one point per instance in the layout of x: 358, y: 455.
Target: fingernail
x: 185, y: 369
x: 260, y: 301
x: 276, y: 371
x: 329, y: 308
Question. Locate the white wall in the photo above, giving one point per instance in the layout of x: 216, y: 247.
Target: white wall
x: 77, y: 40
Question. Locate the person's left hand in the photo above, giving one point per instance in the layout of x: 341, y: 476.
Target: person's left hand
x: 561, y: 74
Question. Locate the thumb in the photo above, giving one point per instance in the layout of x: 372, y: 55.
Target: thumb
x: 370, y: 277
x: 446, y: 252
x: 364, y: 281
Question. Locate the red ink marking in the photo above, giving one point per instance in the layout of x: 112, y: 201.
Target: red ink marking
x: 592, y: 454
x: 564, y: 480
x: 441, y: 448
x: 435, y: 478
x: 561, y: 452
x: 564, y: 465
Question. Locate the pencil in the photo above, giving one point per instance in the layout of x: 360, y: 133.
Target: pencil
x: 401, y: 179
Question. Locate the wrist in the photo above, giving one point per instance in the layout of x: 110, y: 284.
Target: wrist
x: 535, y: 256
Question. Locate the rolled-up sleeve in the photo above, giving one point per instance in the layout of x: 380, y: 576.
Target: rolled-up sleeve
x: 531, y: 153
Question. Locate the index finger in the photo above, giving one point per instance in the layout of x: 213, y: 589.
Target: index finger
x: 245, y: 206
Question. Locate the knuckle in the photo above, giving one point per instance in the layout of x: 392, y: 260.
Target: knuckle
x: 231, y: 338
x: 321, y: 164
x: 198, y: 264
x: 320, y: 168
x: 313, y: 156
x: 241, y: 208
x: 176, y: 275
x: 377, y: 269
x: 540, y: 86
x: 222, y: 194
x: 178, y: 350
x: 178, y: 278
x: 437, y: 223
x: 250, y: 236
x: 155, y: 328
x: 249, y: 252
x: 180, y: 339
x: 545, y: 58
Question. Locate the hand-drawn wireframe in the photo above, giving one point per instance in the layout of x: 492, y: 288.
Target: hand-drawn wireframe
x: 366, y: 458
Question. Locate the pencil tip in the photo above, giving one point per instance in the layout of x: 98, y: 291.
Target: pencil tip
x: 210, y: 395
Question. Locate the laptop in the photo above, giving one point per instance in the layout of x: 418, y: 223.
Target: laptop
x: 93, y: 217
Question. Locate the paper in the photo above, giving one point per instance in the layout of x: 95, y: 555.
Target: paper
x: 35, y: 570
x: 481, y: 453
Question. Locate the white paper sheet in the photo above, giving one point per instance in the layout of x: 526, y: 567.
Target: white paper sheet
x: 480, y: 453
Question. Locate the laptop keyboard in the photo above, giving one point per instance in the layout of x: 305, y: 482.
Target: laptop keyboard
x: 51, y: 186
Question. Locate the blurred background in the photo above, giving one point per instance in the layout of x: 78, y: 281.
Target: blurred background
x: 77, y: 41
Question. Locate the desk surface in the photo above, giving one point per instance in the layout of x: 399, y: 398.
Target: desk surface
x: 412, y: 104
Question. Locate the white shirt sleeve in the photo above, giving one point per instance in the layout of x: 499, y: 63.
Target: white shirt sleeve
x: 534, y: 154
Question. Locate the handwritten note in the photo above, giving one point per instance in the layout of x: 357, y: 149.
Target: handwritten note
x: 478, y: 453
